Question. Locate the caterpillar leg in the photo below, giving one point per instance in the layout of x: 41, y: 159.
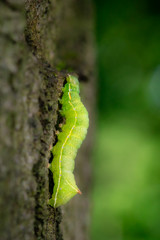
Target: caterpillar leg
x: 60, y: 125
x: 57, y: 132
x: 50, y: 147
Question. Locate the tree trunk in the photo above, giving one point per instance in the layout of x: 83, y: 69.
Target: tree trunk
x: 40, y: 41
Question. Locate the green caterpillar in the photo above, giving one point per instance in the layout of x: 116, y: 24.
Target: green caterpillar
x: 69, y: 140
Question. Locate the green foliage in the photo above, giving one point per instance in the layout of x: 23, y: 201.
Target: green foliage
x: 126, y: 160
x: 127, y: 49
x: 126, y: 196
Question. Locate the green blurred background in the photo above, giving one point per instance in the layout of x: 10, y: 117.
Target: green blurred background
x: 126, y: 159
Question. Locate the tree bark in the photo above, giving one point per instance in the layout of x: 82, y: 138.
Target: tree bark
x: 40, y: 41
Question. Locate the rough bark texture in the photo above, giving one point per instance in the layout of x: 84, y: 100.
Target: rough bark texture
x: 40, y: 41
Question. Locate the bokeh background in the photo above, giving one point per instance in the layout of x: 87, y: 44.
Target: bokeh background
x: 126, y: 158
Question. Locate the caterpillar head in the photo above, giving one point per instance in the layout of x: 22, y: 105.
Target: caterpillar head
x: 73, y: 81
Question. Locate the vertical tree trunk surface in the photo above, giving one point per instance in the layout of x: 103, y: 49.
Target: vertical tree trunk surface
x: 40, y: 41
